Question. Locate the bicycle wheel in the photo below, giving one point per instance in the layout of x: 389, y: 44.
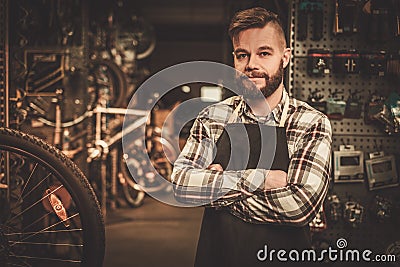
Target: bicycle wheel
x: 49, y: 215
x: 139, y: 35
x: 133, y: 196
x: 106, y: 74
x: 138, y: 175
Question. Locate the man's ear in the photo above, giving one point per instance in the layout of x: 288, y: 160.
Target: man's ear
x: 287, y: 53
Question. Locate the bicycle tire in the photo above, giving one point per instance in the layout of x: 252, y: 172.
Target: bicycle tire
x: 117, y: 78
x: 132, y: 196
x: 142, y: 32
x: 135, y: 172
x: 139, y: 182
x: 31, y: 232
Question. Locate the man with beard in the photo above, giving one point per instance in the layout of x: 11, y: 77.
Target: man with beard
x: 256, y: 209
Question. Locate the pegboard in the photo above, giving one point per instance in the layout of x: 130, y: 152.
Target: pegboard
x: 366, y: 137
x: 3, y: 63
x: 301, y: 83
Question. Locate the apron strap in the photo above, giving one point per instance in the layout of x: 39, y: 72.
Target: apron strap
x: 284, y: 112
x: 235, y: 113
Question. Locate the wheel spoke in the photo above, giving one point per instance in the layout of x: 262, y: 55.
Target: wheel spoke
x: 47, y: 232
x: 28, y: 208
x: 45, y: 229
x: 15, y: 264
x: 22, y: 261
x: 45, y: 243
x: 46, y: 259
x: 25, y: 264
x: 27, y: 182
x: 39, y: 219
x: 21, y: 199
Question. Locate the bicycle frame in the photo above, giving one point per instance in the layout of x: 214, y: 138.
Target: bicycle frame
x: 101, y: 148
x: 99, y: 111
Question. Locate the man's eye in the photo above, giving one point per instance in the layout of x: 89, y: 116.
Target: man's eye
x: 264, y: 54
x: 241, y: 56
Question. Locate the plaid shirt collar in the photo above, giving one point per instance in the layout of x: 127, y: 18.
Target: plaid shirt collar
x: 246, y: 111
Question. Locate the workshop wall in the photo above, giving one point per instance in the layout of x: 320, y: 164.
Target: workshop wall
x: 342, y: 64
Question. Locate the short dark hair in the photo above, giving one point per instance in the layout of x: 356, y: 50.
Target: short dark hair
x: 256, y: 17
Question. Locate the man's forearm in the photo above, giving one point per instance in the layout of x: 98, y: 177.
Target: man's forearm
x: 213, y: 187
x: 301, y: 199
x: 293, y: 204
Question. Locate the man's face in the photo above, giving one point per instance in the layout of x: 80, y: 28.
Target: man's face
x: 260, y: 54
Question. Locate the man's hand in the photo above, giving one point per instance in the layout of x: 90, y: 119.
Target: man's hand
x: 275, y: 179
x: 215, y: 167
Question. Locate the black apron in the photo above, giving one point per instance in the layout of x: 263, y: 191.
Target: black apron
x: 226, y: 240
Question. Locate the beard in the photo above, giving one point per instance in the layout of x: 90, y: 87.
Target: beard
x: 249, y: 89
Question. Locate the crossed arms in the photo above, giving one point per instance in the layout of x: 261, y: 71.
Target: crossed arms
x: 272, y: 196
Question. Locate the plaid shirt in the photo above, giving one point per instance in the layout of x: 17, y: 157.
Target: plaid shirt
x: 309, y: 139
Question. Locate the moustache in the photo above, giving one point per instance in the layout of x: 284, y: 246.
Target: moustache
x: 256, y: 74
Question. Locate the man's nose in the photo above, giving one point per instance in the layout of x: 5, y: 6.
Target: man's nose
x: 252, y: 63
